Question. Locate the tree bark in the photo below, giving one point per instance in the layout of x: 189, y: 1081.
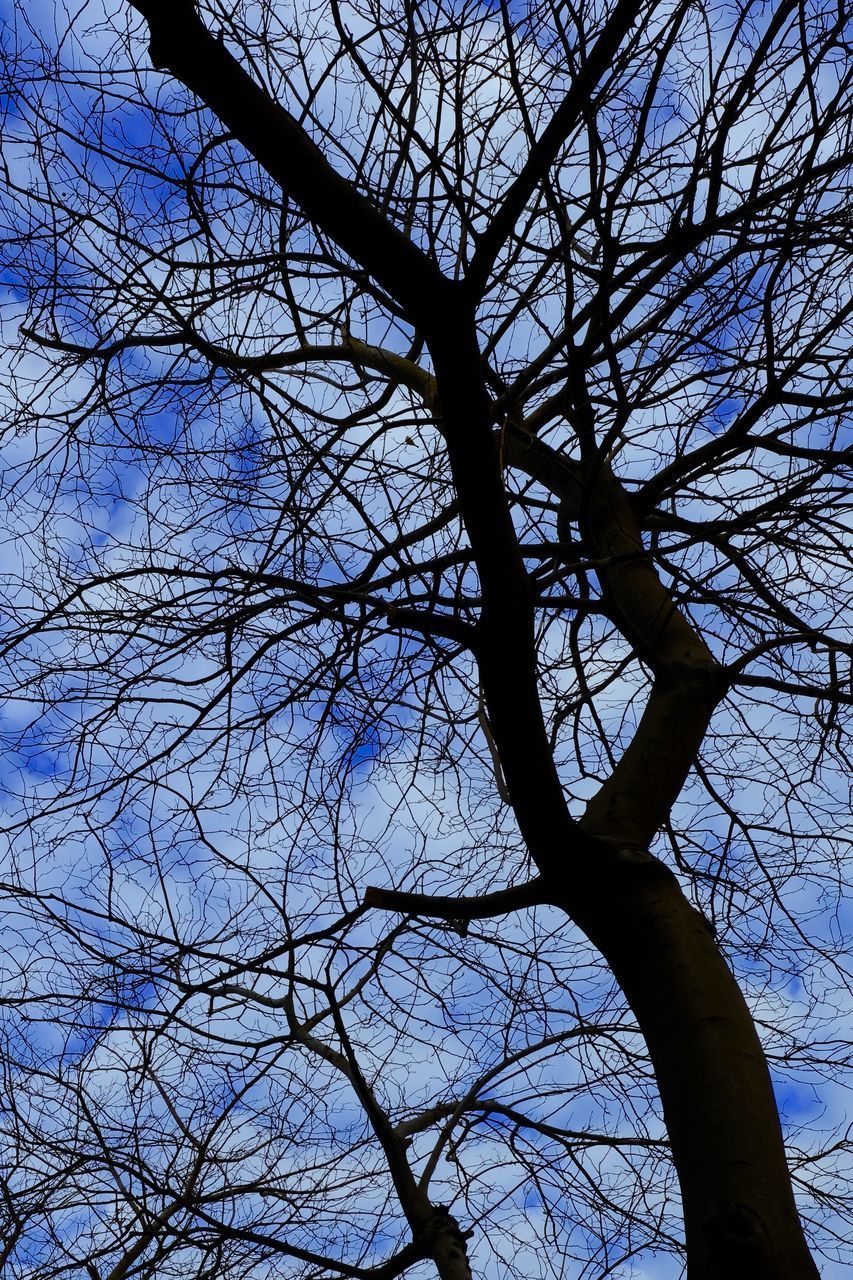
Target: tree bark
x: 718, y: 1103
x: 715, y: 1088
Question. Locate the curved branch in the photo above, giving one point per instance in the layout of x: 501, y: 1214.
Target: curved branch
x: 446, y: 907
x: 180, y: 43
x: 352, y: 351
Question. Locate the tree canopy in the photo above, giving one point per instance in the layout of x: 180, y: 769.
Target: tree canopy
x: 426, y: 651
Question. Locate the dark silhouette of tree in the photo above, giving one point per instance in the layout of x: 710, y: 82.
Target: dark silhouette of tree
x: 427, y: 667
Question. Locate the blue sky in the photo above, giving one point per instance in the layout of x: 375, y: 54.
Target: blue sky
x: 223, y: 842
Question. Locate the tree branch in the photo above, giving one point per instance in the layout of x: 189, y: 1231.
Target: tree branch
x: 545, y: 150
x: 558, y: 474
x: 399, y: 369
x: 180, y: 43
x: 445, y: 907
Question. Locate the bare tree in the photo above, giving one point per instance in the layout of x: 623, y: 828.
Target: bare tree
x: 426, y: 656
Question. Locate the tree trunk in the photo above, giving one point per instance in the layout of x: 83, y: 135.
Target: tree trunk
x: 717, y: 1097
x: 718, y: 1103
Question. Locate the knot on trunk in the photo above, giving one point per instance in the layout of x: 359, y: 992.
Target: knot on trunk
x: 445, y: 1242
x: 736, y: 1237
x: 704, y: 678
